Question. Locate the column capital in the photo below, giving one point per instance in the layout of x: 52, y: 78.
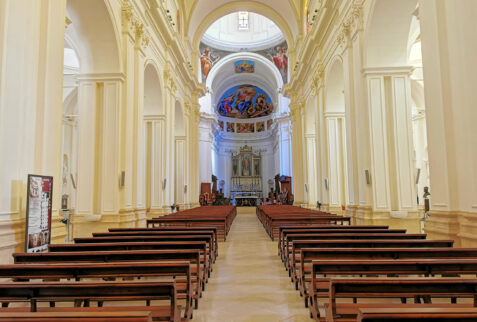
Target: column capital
x: 169, y: 81
x: 67, y: 22
x: 143, y: 37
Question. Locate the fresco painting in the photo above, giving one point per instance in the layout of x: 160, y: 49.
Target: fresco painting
x: 245, y: 101
x: 277, y: 54
x: 231, y: 127
x: 260, y: 126
x: 245, y: 128
x: 269, y: 124
x: 244, y: 66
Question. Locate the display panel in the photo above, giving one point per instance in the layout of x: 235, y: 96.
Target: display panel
x: 38, y: 213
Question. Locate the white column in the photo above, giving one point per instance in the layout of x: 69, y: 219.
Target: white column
x: 87, y: 105
x: 335, y: 166
x: 285, y: 146
x: 180, y: 166
x: 205, y: 148
x: 139, y: 168
x: 155, y: 153
x: 98, y: 145
x: 393, y: 178
x: 298, y: 152
x: 128, y: 114
x: 311, y: 169
x: 109, y: 122
x: 352, y: 169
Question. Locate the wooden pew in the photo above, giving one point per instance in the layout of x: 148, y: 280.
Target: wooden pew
x: 273, y: 224
x: 94, y: 247
x: 425, y: 267
x: 220, y: 217
x: 139, y: 239
x: 291, y: 252
x: 404, y: 314
x: 214, y: 245
x: 394, y: 288
x: 297, y: 245
x: 272, y: 217
x: 178, y: 228
x: 219, y: 224
x: 80, y: 292
x: 111, y: 316
x: 284, y: 242
x: 310, y: 254
x: 193, y: 256
x: 283, y: 230
x: 179, y: 271
x: 206, y: 257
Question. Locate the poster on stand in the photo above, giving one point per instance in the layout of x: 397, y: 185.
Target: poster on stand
x: 38, y: 213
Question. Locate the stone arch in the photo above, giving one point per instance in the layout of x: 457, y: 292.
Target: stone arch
x: 387, y: 33
x: 95, y: 34
x: 334, y: 87
x: 153, y: 98
x: 251, y: 6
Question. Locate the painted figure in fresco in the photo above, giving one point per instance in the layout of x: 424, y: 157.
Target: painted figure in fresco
x: 207, y: 60
x: 281, y: 61
x: 244, y: 98
x: 226, y: 105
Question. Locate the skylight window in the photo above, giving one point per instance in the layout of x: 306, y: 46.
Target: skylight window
x: 243, y: 20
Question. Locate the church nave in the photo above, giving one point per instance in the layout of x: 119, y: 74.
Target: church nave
x: 249, y: 282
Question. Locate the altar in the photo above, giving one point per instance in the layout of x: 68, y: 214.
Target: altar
x: 246, y: 179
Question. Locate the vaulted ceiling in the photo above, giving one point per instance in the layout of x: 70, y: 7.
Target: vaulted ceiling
x: 200, y: 14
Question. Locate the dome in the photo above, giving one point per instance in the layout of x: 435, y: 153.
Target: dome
x: 243, y: 31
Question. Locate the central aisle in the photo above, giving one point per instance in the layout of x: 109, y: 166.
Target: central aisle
x: 249, y: 282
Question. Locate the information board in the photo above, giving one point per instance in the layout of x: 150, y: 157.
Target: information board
x: 38, y: 213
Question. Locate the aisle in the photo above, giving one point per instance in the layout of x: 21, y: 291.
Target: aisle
x: 249, y: 282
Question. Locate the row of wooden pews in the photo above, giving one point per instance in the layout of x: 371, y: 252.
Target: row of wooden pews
x: 125, y: 274
x: 275, y: 216
x: 220, y: 217
x: 372, y: 273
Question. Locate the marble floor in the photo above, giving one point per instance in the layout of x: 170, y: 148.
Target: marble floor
x: 249, y: 282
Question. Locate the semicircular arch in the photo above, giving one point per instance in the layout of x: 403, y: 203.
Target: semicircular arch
x: 251, y: 6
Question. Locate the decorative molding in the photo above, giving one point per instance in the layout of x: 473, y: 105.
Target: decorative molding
x: 101, y: 77
x: 67, y: 22
x: 385, y: 71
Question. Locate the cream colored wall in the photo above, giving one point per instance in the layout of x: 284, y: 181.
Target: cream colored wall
x: 372, y: 39
x: 30, y: 110
x: 450, y: 75
x: 112, y: 131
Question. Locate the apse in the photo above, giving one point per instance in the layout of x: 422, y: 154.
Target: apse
x: 244, y: 66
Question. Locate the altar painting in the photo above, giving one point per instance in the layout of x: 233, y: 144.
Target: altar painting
x: 245, y: 101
